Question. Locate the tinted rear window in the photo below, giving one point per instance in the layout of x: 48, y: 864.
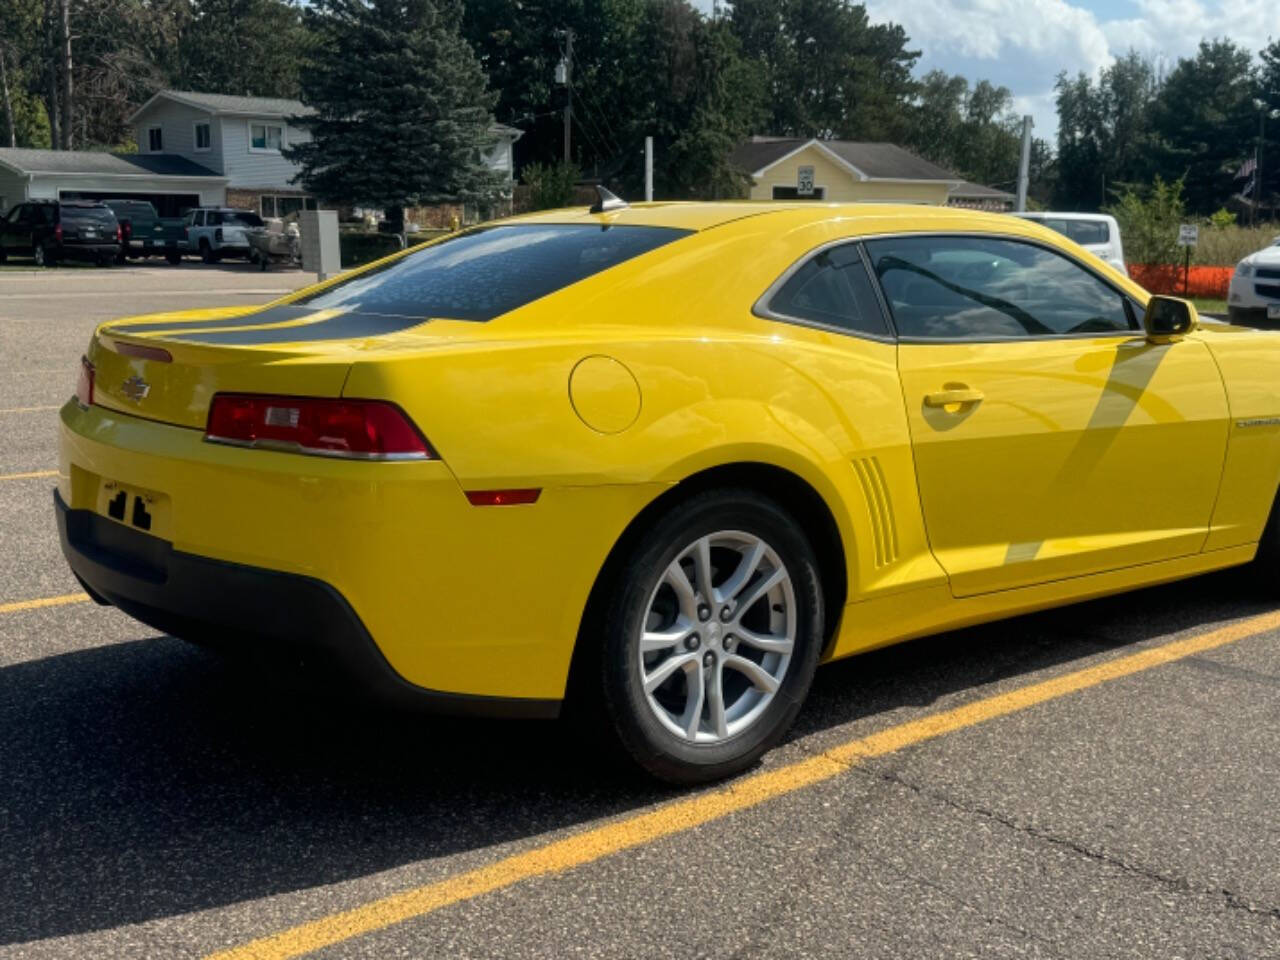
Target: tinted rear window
x: 487, y: 272
x: 1081, y: 231
x: 101, y: 216
x: 237, y: 218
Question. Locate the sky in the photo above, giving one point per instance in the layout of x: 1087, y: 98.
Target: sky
x: 1023, y: 44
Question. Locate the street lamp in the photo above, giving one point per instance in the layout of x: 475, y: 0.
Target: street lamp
x: 1263, y: 116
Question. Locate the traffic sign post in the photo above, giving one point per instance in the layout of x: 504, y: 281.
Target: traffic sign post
x: 1188, y: 237
x: 804, y: 182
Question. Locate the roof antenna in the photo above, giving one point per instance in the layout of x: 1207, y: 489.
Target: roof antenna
x: 606, y: 200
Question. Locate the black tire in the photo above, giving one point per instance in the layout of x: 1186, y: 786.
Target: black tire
x: 657, y: 749
x: 207, y: 253
x: 173, y: 257
x: 43, y: 256
x: 1266, y: 566
x: 3, y: 256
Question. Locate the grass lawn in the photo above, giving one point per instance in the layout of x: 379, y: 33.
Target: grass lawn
x: 1210, y: 306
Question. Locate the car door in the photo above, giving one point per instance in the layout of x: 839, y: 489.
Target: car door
x: 13, y: 233
x: 1051, y: 438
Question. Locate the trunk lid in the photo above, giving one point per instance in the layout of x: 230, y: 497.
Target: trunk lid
x: 154, y: 373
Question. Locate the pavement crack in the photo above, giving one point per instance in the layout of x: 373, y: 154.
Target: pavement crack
x: 1174, y: 883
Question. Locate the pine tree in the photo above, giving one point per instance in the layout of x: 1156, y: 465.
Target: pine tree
x: 401, y: 110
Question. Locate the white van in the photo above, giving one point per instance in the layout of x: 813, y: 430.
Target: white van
x: 1096, y: 232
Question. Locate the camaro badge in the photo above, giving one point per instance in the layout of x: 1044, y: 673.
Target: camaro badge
x: 135, y: 388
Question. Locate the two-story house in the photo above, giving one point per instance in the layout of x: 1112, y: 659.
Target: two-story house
x: 239, y: 138
x: 194, y: 149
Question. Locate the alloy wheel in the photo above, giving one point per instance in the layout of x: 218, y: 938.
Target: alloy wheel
x: 717, y: 636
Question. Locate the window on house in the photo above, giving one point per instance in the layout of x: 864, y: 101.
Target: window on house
x: 268, y: 206
x: 265, y: 136
x: 202, y: 136
x: 792, y: 193
x: 155, y: 142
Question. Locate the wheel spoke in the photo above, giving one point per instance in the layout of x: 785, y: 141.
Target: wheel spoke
x: 740, y: 577
x: 760, y: 678
x: 702, y: 569
x: 758, y: 591
x: 768, y: 644
x: 675, y: 576
x: 693, y: 705
x: 652, y: 641
x: 715, y: 700
x: 665, y: 669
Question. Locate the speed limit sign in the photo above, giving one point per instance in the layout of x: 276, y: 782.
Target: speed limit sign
x: 804, y: 182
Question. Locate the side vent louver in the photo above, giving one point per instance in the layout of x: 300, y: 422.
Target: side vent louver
x: 880, y: 507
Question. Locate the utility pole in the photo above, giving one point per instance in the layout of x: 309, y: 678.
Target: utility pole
x: 1024, y: 165
x: 648, y: 169
x: 564, y: 75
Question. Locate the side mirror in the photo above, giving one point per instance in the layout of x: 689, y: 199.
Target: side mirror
x: 1168, y: 317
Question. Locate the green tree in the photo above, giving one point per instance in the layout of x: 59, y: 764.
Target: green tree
x: 1105, y: 131
x: 1206, y: 122
x: 1269, y: 95
x: 971, y: 131
x: 247, y: 47
x: 401, y: 113
x: 829, y: 72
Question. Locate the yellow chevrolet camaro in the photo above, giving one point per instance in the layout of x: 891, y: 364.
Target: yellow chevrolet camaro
x: 667, y: 457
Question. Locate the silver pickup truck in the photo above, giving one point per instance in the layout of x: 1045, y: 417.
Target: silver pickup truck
x: 217, y: 232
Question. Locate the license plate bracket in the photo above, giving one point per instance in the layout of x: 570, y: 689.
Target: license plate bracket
x: 143, y: 510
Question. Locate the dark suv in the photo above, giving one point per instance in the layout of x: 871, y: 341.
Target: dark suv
x: 53, y: 230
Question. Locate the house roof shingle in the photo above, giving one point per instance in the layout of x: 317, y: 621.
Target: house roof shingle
x: 879, y: 161
x: 977, y: 191
x: 228, y: 103
x: 103, y: 164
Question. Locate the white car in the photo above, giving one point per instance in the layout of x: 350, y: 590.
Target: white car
x: 1255, y: 287
x: 1096, y: 232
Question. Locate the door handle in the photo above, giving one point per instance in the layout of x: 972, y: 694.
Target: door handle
x: 953, y: 397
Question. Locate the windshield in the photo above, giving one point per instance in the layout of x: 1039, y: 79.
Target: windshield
x: 490, y: 271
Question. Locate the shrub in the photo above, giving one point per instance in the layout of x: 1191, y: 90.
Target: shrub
x: 1149, y: 220
x: 1222, y: 219
x: 550, y: 185
x: 1227, y: 247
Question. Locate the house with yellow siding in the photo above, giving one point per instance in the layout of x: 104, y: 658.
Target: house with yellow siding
x: 842, y: 171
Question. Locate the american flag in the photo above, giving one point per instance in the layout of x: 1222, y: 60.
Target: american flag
x: 1247, y: 168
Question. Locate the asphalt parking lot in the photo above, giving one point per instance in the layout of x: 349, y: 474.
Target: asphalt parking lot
x: 1100, y: 781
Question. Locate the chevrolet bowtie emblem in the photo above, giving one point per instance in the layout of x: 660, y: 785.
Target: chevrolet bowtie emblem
x: 135, y: 388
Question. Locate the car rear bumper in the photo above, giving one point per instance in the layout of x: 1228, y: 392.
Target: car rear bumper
x: 87, y: 251
x: 480, y: 602
x: 202, y: 599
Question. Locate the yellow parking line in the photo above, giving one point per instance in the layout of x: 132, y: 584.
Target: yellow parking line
x: 28, y: 476
x: 66, y: 598
x: 681, y: 815
x: 30, y: 409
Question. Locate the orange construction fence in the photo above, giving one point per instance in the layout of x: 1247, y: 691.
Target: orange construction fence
x: 1209, y: 283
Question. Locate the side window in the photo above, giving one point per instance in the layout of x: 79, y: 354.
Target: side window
x: 948, y: 287
x: 24, y: 214
x: 155, y: 140
x: 832, y: 288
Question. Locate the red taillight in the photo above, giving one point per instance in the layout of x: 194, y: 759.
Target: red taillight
x: 124, y: 230
x: 57, y: 234
x: 361, y: 429
x: 119, y: 234
x: 84, y: 385
x: 503, y: 498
